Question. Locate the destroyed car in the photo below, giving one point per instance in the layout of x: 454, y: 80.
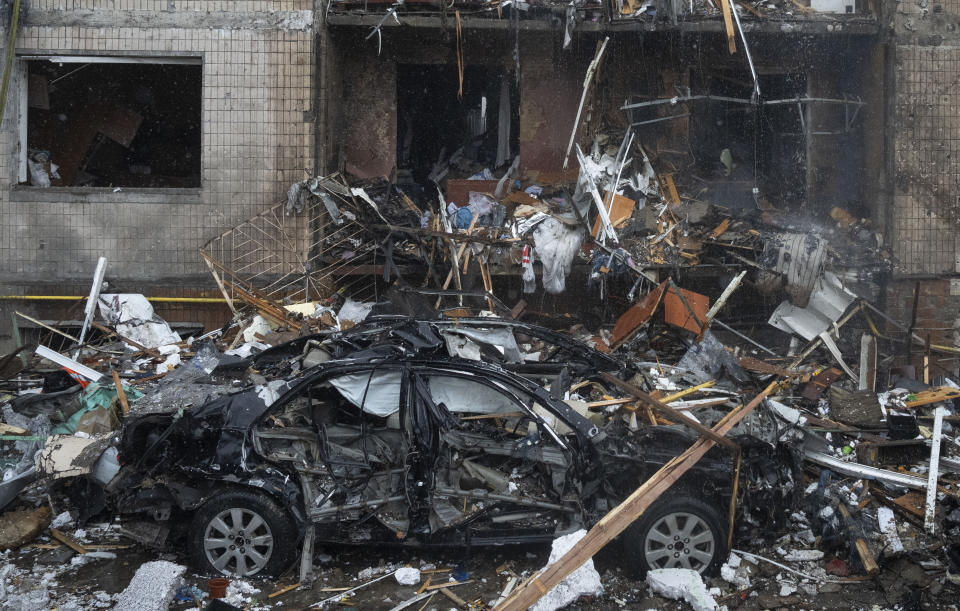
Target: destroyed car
x: 386, y: 434
x: 390, y: 448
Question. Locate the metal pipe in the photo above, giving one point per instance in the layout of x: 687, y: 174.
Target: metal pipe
x: 11, y: 50
x: 80, y: 297
x: 746, y: 49
x: 490, y: 496
x: 744, y: 337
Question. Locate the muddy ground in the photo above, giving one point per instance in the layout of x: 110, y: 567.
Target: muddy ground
x: 72, y: 582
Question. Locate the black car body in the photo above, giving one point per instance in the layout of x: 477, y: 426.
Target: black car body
x: 399, y: 443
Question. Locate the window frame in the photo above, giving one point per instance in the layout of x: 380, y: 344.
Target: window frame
x: 21, y: 184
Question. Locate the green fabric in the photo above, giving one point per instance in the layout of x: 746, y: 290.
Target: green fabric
x: 94, y: 396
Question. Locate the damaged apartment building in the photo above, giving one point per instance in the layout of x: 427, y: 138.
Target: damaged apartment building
x: 143, y: 130
x: 680, y: 273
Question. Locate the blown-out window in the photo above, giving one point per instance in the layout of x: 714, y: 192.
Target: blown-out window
x: 100, y: 121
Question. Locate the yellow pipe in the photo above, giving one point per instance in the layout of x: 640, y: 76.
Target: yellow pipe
x: 75, y: 298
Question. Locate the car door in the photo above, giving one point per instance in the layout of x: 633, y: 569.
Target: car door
x: 340, y: 431
x: 483, y: 462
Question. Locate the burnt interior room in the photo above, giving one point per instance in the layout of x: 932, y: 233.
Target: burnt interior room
x: 114, y: 124
x: 739, y: 145
x: 434, y: 122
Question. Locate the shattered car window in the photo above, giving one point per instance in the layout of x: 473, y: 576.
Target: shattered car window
x: 466, y: 395
x: 375, y: 392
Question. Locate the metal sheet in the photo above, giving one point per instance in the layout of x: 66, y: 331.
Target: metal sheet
x: 59, y: 359
x: 865, y: 472
x: 828, y: 302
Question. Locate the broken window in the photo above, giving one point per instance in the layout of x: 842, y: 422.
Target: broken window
x: 324, y: 425
x: 112, y: 122
x: 739, y: 146
x: 375, y: 392
x: 473, y: 396
x: 434, y: 124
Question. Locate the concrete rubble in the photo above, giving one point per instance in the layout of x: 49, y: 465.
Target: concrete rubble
x: 682, y: 584
x: 154, y: 586
x: 585, y: 581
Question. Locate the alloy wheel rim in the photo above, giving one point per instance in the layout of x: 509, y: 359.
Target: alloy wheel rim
x: 238, y: 541
x: 680, y: 540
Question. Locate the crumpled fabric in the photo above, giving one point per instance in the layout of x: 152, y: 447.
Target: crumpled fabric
x: 557, y: 245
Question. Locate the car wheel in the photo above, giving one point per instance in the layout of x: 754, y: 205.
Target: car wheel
x: 243, y: 533
x: 681, y: 532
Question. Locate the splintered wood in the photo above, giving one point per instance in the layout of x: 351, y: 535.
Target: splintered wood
x: 624, y: 514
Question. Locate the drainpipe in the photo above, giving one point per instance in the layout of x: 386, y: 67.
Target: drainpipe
x: 11, y: 46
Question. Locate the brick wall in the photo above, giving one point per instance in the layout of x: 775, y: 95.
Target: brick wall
x: 938, y: 317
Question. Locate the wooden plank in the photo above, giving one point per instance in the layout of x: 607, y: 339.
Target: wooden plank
x: 523, y: 198
x: 747, y: 7
x: 866, y: 556
x: 753, y: 364
x: 624, y: 514
x: 9, y: 429
x: 620, y: 209
x: 458, y: 190
x: 283, y: 591
x: 68, y: 541
x: 669, y: 411
x: 426, y: 584
x: 911, y: 502
x: 456, y: 599
x: 733, y: 500
x: 669, y: 189
x: 688, y: 391
x: 685, y: 309
x: 638, y: 315
x: 725, y: 295
x: 935, y: 395
x: 720, y: 229
x: 820, y: 382
x: 728, y: 24
x: 448, y: 584
x: 120, y: 394
x: 151, y: 351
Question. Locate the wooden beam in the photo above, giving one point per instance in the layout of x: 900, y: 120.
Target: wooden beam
x: 687, y: 391
x: 728, y: 24
x: 120, y: 394
x: 669, y: 411
x: 105, y: 329
x: 456, y: 599
x: 733, y: 499
x: 934, y: 395
x: 866, y: 556
x: 625, y: 513
x: 68, y: 541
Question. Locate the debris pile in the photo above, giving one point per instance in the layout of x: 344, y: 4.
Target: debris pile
x: 738, y: 406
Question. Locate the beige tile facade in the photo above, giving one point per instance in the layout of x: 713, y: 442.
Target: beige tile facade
x: 257, y: 138
x: 926, y: 205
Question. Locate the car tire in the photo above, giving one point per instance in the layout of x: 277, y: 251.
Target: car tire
x: 679, y: 532
x: 243, y: 533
